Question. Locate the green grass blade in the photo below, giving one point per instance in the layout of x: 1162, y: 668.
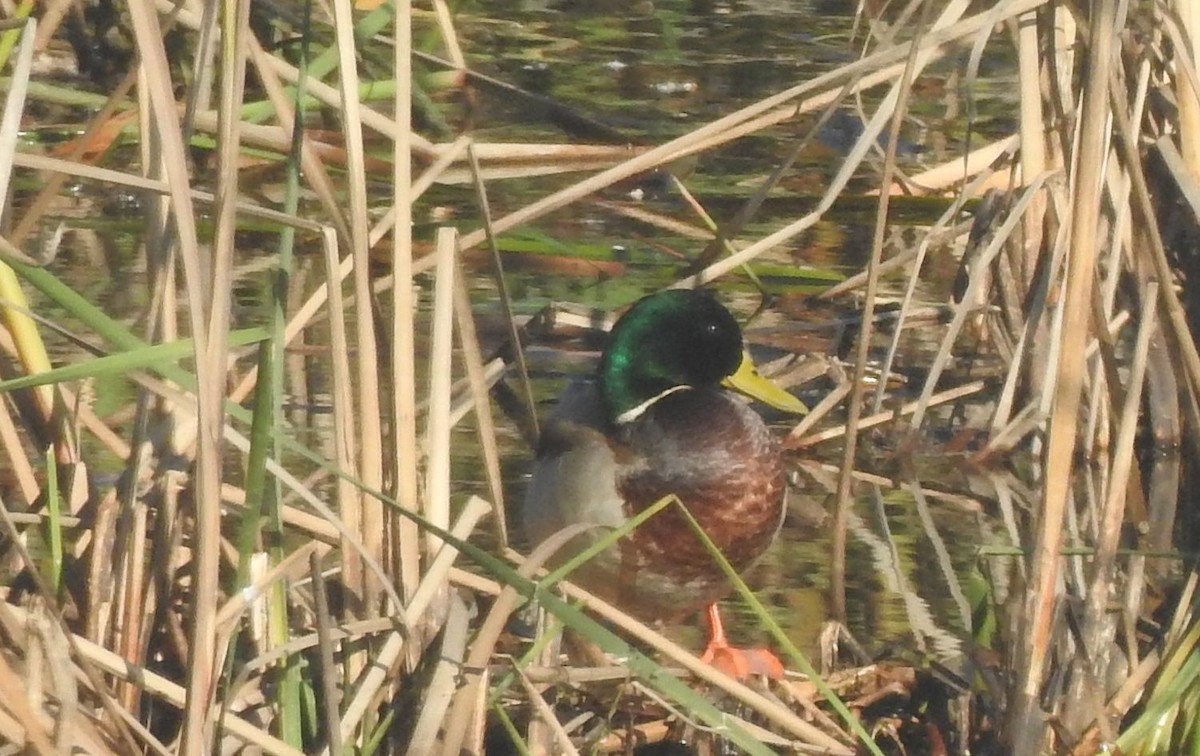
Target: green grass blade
x: 147, y: 357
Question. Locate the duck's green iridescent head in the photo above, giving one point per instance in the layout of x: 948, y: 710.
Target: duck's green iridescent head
x: 679, y: 338
x: 672, y: 338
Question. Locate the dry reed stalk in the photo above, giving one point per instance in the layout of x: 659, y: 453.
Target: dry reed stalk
x: 251, y: 600
x: 1043, y: 356
x: 480, y: 386
x: 962, y: 169
x: 360, y: 699
x: 311, y: 306
x: 332, y: 98
x: 855, y: 83
x: 1008, y: 500
x: 331, y: 693
x: 546, y: 714
x: 895, y: 262
x: 1004, y: 438
x: 13, y: 306
x: 387, y: 222
x: 1178, y: 329
x: 502, y: 286
x: 862, y: 147
x: 50, y: 164
x: 655, y: 219
x: 186, y: 405
x: 963, y: 309
x: 446, y: 157
x: 515, y: 161
x: 920, y: 55
x: 31, y: 730
x: 211, y: 369
x: 440, y: 691
x: 307, y: 524
x: 729, y: 230
x: 137, y: 599
x: 17, y: 622
x: 463, y: 709
x: 828, y: 403
x: 370, y: 442
x: 1097, y: 631
x: 894, y: 104
x: 445, y: 24
x: 824, y: 474
x: 314, y: 171
x: 278, y: 138
x: 95, y: 173
x: 1027, y: 728
x: 403, y: 412
x: 49, y: 20
x: 356, y: 630
x: 1188, y: 48
x: 229, y: 614
x: 88, y: 654
x: 908, y: 408
x: 464, y: 389
x: 345, y: 441
x: 10, y: 439
x: 1032, y: 139
x: 158, y: 90
x: 14, y: 451
x: 37, y: 208
x: 910, y: 288
x: 437, y: 444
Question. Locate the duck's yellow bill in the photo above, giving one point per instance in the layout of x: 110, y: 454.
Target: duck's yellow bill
x: 748, y: 381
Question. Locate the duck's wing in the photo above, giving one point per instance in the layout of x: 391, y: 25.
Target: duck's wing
x: 574, y: 475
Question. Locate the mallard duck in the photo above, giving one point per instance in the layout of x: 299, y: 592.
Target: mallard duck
x: 654, y: 421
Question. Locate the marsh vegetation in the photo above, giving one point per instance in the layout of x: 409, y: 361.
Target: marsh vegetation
x: 285, y: 289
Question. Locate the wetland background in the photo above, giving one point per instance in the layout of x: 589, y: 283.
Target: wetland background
x: 256, y: 397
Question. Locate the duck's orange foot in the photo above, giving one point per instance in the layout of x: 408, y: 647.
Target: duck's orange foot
x: 741, y: 663
x: 738, y: 663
